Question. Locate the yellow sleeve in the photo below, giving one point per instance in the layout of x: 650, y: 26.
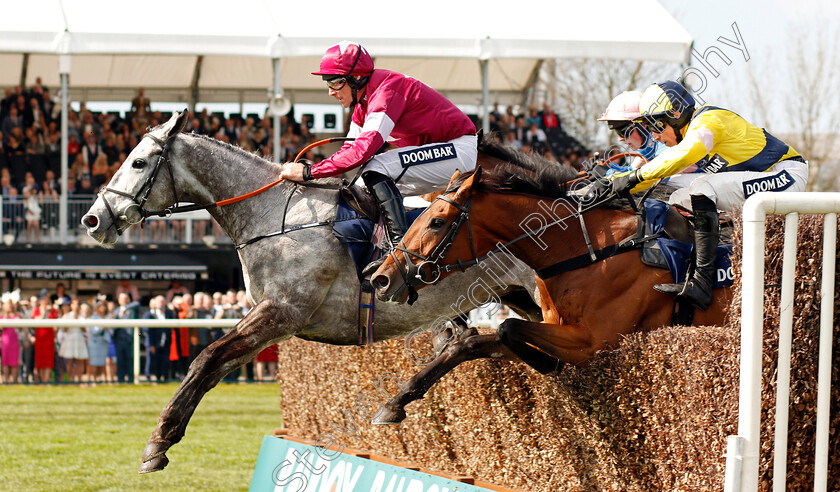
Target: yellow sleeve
x: 688, y: 152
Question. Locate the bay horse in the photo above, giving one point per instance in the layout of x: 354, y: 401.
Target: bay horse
x: 586, y: 306
x: 299, y: 277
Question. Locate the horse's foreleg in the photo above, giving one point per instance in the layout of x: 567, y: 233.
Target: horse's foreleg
x: 267, y: 323
x: 469, y: 348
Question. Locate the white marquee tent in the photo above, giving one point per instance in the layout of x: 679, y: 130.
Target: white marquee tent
x: 223, y: 51
x: 246, y: 50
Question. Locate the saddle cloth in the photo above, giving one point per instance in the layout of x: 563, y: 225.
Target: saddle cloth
x: 674, y: 255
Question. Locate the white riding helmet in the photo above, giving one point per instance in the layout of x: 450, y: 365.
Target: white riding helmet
x: 624, y: 107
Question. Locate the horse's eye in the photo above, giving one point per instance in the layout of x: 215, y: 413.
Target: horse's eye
x: 437, y: 223
x: 138, y: 163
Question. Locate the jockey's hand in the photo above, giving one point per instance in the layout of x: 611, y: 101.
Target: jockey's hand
x: 296, y: 171
x: 625, y: 181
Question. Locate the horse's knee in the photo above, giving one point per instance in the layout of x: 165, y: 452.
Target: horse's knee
x: 507, y: 331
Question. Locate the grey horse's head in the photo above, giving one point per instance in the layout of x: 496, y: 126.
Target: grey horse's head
x: 121, y: 202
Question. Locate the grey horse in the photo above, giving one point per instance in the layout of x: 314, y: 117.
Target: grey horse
x: 301, y: 282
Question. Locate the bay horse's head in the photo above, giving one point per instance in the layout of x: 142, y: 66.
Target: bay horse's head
x: 134, y: 190
x: 439, y: 242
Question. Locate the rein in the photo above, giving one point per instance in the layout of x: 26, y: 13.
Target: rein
x: 603, y: 162
x: 413, y: 274
x: 221, y: 203
x: 140, y: 203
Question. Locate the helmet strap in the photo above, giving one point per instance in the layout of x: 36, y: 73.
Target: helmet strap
x: 643, y: 132
x: 355, y: 86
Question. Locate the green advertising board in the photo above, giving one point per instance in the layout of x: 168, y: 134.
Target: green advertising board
x: 288, y: 466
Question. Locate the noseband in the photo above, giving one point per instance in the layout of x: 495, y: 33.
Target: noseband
x: 138, y: 200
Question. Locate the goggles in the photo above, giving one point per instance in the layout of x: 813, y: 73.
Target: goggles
x: 623, y: 128
x: 653, y: 124
x: 337, y: 84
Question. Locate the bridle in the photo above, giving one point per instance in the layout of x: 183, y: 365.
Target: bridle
x: 140, y: 198
x: 163, y: 158
x: 413, y: 275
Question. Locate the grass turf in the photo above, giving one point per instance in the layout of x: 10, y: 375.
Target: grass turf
x: 73, y: 438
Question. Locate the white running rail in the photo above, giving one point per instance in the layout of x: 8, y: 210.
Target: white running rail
x: 134, y: 324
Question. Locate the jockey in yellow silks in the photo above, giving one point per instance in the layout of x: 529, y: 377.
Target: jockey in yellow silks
x: 740, y: 159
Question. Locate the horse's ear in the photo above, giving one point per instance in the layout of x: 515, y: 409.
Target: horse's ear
x: 454, y: 177
x: 175, y: 124
x: 465, y: 190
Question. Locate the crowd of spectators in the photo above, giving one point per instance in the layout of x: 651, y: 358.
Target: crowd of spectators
x: 97, y: 355
x: 98, y: 143
x: 534, y: 132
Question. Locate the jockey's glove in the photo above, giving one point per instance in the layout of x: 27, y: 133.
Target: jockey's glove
x: 626, y: 182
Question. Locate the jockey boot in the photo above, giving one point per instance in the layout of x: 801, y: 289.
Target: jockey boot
x: 698, y: 289
x: 390, y: 203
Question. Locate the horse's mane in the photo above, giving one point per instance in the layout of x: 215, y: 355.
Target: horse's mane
x: 519, y: 173
x: 492, y: 146
x: 253, y: 156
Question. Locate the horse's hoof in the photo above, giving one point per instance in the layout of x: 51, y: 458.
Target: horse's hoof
x: 389, y: 416
x: 155, y: 448
x: 154, y: 457
x: 157, y: 463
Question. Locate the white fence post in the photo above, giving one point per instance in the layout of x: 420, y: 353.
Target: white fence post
x: 755, y: 211
x: 785, y: 340
x: 824, y: 375
x: 136, y: 351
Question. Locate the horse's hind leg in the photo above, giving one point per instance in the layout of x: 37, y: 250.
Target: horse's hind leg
x: 468, y: 348
x: 546, y: 346
x: 262, y: 326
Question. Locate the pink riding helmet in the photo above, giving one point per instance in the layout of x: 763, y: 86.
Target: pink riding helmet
x: 624, y: 107
x: 346, y: 58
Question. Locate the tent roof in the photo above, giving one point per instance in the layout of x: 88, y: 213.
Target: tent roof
x: 117, y: 46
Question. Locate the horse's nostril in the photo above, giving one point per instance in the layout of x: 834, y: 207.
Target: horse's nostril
x: 380, y: 282
x: 90, y: 221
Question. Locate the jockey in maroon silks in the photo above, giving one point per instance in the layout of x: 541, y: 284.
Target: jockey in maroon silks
x: 433, y: 138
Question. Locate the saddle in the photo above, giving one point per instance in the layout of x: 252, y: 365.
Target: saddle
x: 360, y: 200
